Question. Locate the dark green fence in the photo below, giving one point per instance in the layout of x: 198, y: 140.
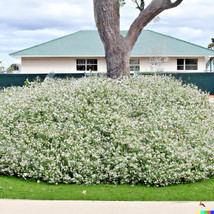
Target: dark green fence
x: 7, y: 80
x: 204, y: 81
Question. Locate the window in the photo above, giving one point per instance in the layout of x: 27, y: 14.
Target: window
x: 191, y: 64
x: 187, y: 64
x: 86, y: 64
x: 180, y: 64
x: 134, y: 64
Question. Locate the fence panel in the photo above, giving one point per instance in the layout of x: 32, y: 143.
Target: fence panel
x: 7, y: 80
x: 204, y: 81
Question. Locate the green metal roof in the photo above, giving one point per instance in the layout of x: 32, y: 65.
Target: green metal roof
x: 87, y: 43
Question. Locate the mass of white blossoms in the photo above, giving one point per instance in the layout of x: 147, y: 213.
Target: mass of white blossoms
x: 148, y: 129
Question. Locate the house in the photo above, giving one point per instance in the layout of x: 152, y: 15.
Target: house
x: 83, y: 51
x: 14, y: 68
x: 1, y: 68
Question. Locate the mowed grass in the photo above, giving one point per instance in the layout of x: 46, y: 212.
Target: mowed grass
x: 16, y: 188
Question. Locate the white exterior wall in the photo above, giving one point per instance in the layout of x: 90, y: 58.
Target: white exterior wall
x: 102, y: 65
x: 68, y: 65
x: 1, y: 68
x: 171, y: 65
x: 55, y: 64
x: 47, y: 65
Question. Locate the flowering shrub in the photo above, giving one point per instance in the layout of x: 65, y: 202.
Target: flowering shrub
x: 147, y: 129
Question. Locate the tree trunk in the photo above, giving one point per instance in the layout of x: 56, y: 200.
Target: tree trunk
x: 118, y: 48
x: 117, y: 58
x: 117, y: 64
x: 117, y: 51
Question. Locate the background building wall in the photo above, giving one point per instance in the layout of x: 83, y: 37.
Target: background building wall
x: 56, y: 64
x: 171, y: 65
x: 68, y: 65
x: 47, y: 65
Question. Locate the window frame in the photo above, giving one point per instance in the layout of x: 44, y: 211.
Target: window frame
x: 184, y: 66
x: 86, y: 64
x: 134, y: 64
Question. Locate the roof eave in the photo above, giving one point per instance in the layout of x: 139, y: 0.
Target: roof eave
x: 99, y: 56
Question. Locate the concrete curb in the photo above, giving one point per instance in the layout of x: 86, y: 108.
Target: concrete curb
x: 211, y: 99
x: 100, y: 207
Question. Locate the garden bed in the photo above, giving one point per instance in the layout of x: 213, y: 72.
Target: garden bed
x: 147, y: 130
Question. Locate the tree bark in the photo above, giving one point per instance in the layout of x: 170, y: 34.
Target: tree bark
x: 117, y: 52
x: 117, y: 47
x: 117, y: 60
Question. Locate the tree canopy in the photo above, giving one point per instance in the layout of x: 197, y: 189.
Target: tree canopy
x: 211, y: 45
x: 140, y: 4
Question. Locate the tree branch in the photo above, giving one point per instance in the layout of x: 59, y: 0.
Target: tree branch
x: 151, y: 11
x: 175, y: 4
x: 139, y: 6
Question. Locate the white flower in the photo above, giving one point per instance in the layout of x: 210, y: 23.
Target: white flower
x: 149, y: 130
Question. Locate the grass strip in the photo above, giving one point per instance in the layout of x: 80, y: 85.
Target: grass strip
x: 16, y: 188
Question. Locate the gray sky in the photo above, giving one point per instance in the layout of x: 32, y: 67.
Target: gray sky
x: 24, y: 23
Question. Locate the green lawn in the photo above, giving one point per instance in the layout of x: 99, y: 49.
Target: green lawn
x: 15, y: 188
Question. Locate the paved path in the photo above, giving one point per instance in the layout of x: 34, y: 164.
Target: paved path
x: 100, y: 207
x: 211, y: 99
